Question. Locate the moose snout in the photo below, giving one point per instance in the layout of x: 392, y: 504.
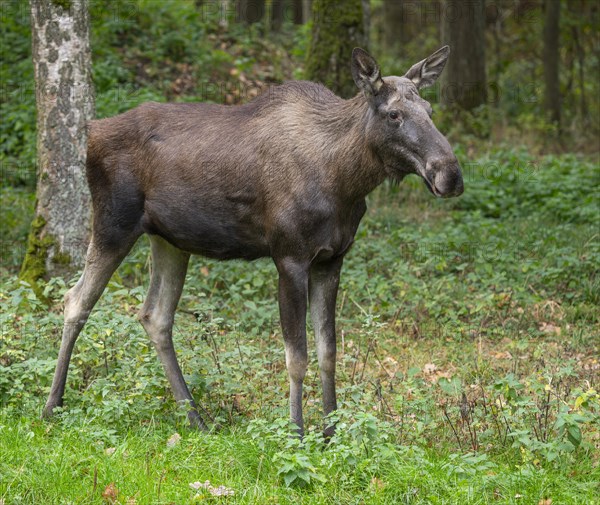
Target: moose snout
x: 444, y: 177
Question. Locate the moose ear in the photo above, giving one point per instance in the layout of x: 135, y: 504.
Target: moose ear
x: 426, y: 72
x: 365, y: 72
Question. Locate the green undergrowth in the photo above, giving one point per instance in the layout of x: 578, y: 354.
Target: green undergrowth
x: 467, y: 362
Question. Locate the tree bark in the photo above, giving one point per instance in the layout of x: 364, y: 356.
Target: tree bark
x: 338, y: 27
x: 296, y: 6
x: 307, y: 10
x: 366, y: 6
x: 393, y: 24
x: 250, y: 11
x: 464, y: 79
x: 277, y: 14
x: 550, y: 59
x: 65, y: 103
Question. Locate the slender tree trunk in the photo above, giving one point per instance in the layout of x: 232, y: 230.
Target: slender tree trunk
x: 338, y: 27
x: 393, y: 25
x: 250, y: 11
x: 277, y: 14
x: 366, y: 6
x: 551, y: 38
x: 464, y: 80
x: 297, y: 12
x: 580, y: 53
x: 65, y: 103
x: 307, y: 10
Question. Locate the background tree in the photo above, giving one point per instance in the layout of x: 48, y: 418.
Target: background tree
x: 64, y: 98
x: 551, y: 58
x: 338, y: 27
x: 463, y: 29
x: 250, y: 11
x: 392, y: 21
x: 306, y: 10
x: 277, y: 14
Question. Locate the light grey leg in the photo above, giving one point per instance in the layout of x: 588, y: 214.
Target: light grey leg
x: 79, y: 301
x: 169, y: 266
x: 323, y: 287
x: 293, y: 293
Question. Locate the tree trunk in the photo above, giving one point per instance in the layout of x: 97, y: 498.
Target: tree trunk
x: 277, y: 14
x: 338, y: 27
x: 65, y: 103
x: 550, y: 57
x: 366, y: 6
x: 393, y: 23
x: 307, y: 10
x: 464, y: 80
x: 297, y: 12
x: 250, y: 11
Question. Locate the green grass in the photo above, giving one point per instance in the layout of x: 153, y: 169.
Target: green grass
x: 48, y: 464
x: 467, y: 369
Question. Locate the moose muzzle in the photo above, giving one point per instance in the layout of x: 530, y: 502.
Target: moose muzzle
x: 443, y: 177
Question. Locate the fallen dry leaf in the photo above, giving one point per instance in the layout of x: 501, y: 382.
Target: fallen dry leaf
x: 547, y: 501
x: 549, y: 328
x: 215, y: 491
x: 173, y: 440
x: 429, y: 368
x: 377, y: 483
x: 110, y: 493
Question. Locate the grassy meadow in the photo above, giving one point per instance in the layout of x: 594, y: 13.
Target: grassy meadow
x: 468, y: 363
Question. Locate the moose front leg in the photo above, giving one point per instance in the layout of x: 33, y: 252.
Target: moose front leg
x: 323, y: 288
x: 293, y: 289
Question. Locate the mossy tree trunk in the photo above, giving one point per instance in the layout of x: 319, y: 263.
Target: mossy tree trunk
x: 65, y: 102
x: 338, y: 27
x: 463, y: 29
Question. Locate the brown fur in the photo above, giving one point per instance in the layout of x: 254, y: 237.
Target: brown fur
x: 284, y: 176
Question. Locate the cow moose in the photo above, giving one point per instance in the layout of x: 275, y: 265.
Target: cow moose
x: 284, y: 176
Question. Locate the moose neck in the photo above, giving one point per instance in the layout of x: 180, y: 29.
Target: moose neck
x: 355, y: 169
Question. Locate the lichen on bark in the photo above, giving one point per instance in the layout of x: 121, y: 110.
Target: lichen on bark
x: 338, y: 27
x: 34, y: 265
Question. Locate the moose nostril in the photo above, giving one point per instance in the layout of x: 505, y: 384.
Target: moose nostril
x: 446, y: 176
x: 460, y: 187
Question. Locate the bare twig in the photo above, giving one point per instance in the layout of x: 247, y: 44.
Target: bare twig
x: 162, y: 476
x: 362, y: 373
x: 452, y: 426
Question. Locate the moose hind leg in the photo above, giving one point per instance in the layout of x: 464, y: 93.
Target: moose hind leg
x: 101, y: 262
x: 169, y: 266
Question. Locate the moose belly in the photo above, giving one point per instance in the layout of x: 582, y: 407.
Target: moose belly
x: 222, y: 231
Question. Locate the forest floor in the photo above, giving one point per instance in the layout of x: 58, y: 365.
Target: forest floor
x: 468, y: 366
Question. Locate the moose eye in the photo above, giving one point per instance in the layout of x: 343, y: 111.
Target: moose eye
x: 393, y: 115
